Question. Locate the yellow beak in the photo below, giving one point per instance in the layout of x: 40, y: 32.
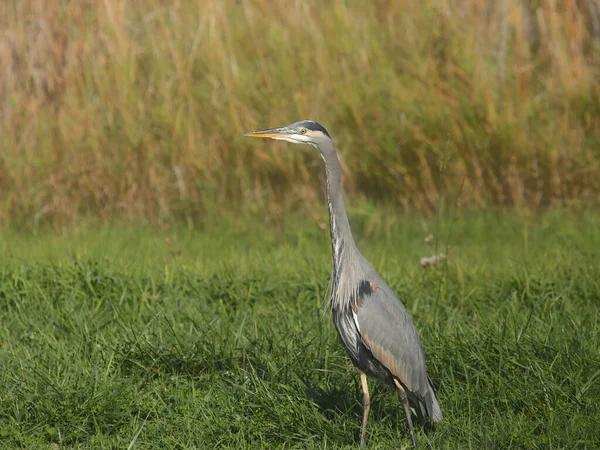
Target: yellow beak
x: 269, y: 133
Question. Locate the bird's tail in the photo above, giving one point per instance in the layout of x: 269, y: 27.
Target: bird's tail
x: 433, y: 410
x: 425, y: 407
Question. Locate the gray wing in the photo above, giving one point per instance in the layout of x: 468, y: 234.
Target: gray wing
x: 388, y: 330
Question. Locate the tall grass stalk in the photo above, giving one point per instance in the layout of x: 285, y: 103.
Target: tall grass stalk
x: 128, y: 109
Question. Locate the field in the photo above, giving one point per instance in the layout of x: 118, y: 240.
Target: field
x: 121, y: 337
x: 163, y: 279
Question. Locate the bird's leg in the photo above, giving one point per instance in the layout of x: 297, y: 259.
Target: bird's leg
x: 404, y: 401
x: 366, y: 406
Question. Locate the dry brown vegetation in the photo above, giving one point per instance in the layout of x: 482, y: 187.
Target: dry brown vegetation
x: 137, y: 110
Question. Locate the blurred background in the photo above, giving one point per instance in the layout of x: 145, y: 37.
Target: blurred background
x: 163, y: 279
x: 127, y: 110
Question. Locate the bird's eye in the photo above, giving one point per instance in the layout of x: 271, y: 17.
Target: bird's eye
x: 303, y: 130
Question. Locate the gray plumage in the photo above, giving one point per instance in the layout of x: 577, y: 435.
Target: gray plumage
x: 373, y: 325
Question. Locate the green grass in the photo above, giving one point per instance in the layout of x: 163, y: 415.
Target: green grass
x: 216, y: 338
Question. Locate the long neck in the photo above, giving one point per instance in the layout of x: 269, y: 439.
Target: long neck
x: 342, y: 241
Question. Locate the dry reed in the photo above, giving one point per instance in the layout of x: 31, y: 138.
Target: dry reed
x: 136, y: 110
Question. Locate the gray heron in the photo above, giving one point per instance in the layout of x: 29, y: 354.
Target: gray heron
x: 373, y: 325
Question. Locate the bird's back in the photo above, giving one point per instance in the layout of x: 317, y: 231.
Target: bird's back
x: 387, y: 331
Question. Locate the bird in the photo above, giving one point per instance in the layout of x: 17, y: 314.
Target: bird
x: 373, y: 325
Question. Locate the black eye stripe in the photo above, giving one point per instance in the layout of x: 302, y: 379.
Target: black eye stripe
x: 312, y: 126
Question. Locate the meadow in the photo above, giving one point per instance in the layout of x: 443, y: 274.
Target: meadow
x: 163, y: 279
x: 129, y: 337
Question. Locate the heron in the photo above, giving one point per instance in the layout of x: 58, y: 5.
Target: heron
x: 373, y: 325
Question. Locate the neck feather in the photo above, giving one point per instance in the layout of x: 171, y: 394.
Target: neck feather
x: 345, y: 256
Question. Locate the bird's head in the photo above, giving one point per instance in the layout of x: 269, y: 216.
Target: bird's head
x: 304, y: 132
